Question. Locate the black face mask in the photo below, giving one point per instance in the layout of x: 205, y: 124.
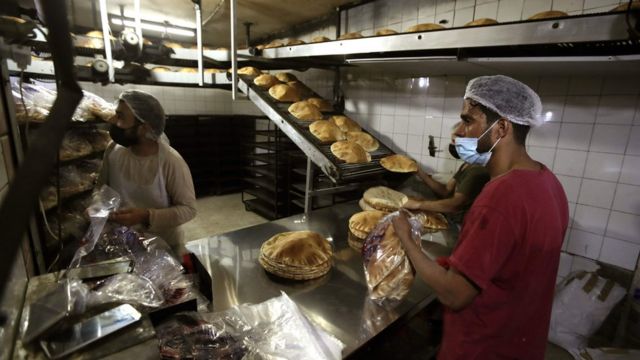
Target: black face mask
x: 453, y: 151
x: 124, y: 137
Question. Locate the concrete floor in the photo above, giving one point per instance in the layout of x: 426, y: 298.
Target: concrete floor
x: 219, y: 214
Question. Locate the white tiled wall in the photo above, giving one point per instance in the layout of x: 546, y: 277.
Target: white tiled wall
x: 591, y: 141
x: 182, y: 100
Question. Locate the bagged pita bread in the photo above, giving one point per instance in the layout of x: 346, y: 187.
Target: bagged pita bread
x: 303, y: 110
x: 322, y: 104
x: 326, y: 131
x: 548, y: 15
x: 384, y: 199
x: 350, y: 152
x: 266, y: 81
x: 363, y: 139
x: 345, y: 123
x: 399, y: 164
x: 351, y: 35
x: 284, y: 93
x: 424, y: 27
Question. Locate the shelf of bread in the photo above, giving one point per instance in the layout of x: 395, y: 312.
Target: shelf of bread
x: 334, y: 142
x: 554, y: 40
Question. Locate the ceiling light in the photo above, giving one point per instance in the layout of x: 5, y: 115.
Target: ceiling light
x: 154, y: 27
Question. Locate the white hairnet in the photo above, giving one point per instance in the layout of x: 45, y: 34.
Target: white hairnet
x: 508, y: 97
x: 146, y: 108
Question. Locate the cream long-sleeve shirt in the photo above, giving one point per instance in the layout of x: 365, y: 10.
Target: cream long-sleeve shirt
x: 142, y: 170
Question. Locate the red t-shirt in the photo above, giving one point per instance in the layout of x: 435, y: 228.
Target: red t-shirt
x: 510, y: 248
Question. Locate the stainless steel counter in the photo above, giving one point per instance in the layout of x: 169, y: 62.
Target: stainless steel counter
x: 337, y: 302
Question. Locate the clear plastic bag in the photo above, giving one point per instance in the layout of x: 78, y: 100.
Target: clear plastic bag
x: 127, y: 289
x: 96, y: 106
x: 387, y: 269
x: 580, y: 306
x: 37, y: 101
x: 74, y: 145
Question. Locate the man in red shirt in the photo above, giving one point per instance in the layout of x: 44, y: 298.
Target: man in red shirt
x: 497, y: 286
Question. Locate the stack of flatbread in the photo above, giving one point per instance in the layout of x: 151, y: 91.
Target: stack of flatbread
x: 383, y: 199
x: 432, y: 221
x: 360, y: 225
x: 298, y: 255
x: 386, y: 267
x: 399, y: 163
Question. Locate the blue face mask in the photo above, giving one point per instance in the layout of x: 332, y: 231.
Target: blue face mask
x: 468, y: 149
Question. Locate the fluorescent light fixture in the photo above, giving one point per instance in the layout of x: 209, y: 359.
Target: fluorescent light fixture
x: 154, y: 27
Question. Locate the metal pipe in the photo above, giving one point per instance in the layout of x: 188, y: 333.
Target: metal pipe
x: 199, y: 42
x: 136, y: 7
x: 104, y: 18
x: 308, y: 201
x: 234, y: 55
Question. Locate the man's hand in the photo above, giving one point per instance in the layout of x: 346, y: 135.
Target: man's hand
x: 412, y: 204
x: 130, y: 217
x: 401, y: 224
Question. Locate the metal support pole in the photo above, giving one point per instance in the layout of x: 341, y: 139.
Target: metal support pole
x: 136, y: 7
x: 234, y: 55
x: 308, y: 200
x: 199, y: 41
x: 106, y: 36
x: 247, y: 32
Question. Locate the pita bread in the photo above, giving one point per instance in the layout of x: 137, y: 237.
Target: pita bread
x: 623, y: 7
x: 302, y: 89
x: 326, y: 131
x: 351, y: 35
x: 396, y: 285
x: 384, y: 199
x: 284, y: 93
x: 303, y: 110
x: 266, y: 81
x: 363, y: 139
x: 213, y: 71
x: 188, y: 70
x: 548, y: 15
x: 399, y: 164
x: 292, y: 42
x: 318, y: 39
x: 297, y: 249
x: 172, y: 45
x: 360, y: 224
x: 322, y: 104
x: 350, y: 152
x: 364, y: 206
x: 424, y: 27
x: 355, y: 242
x: 249, y: 70
x: 382, y: 252
x: 274, y: 44
x: 161, y: 69
x: 286, y: 77
x: 483, y: 21
x: 432, y: 220
x: 345, y: 123
x: 382, y: 32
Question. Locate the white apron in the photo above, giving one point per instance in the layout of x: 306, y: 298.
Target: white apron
x: 152, y: 196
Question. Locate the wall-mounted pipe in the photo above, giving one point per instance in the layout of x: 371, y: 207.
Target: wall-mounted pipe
x: 106, y: 36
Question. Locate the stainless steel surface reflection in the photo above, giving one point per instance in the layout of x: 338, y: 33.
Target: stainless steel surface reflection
x: 337, y: 302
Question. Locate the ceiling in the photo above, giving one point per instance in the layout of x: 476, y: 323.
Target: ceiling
x: 267, y: 16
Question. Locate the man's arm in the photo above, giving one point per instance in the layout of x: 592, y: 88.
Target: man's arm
x: 450, y: 205
x: 451, y: 287
x: 179, y: 186
x: 442, y: 190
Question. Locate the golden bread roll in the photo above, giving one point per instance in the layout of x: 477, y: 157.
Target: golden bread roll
x: 322, y: 104
x: 351, y: 35
x: 249, y: 70
x: 350, y: 152
x: 303, y: 110
x: 326, y: 131
x: 266, y: 81
x: 363, y: 139
x: 548, y: 15
x: 382, y: 32
x: 384, y: 199
x: 399, y: 164
x: 284, y: 93
x: 345, y: 123
x: 424, y: 27
x: 318, y: 39
x: 286, y: 77
x: 483, y: 21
